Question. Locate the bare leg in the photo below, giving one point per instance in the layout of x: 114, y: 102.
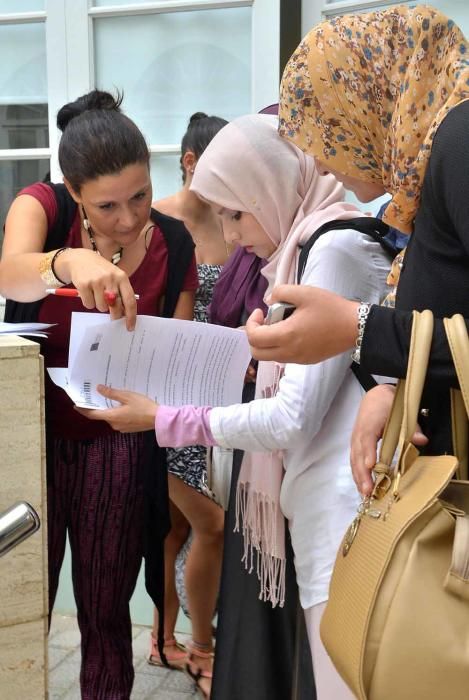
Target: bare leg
x: 203, y: 565
x: 328, y: 682
x: 173, y: 543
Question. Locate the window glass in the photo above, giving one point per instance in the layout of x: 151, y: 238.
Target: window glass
x: 9, y: 6
x: 23, y: 86
x: 14, y: 175
x: 166, y: 175
x: 171, y: 65
x: 24, y: 126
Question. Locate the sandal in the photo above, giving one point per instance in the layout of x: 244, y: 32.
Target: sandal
x: 195, y: 672
x: 175, y: 653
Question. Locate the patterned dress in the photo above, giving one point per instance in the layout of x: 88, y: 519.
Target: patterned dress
x: 189, y: 463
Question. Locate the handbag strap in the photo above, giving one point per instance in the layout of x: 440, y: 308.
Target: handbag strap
x: 419, y: 355
x: 460, y: 433
x: 403, y: 418
x: 457, y: 579
x: 458, y: 342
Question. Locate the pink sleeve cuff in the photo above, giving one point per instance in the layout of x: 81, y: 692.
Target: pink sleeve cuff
x: 183, y: 425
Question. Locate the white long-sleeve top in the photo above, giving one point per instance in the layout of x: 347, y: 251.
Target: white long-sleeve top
x: 311, y: 419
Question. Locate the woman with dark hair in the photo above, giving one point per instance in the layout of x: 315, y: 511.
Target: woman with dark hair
x: 98, y: 233
x: 193, y: 514
x: 295, y: 433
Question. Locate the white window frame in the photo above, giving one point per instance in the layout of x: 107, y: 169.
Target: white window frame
x: 69, y: 30
x: 23, y: 153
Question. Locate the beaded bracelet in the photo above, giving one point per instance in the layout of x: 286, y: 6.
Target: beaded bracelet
x: 362, y: 315
x: 46, y: 269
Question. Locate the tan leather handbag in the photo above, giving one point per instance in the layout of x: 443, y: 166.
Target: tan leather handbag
x: 397, y: 621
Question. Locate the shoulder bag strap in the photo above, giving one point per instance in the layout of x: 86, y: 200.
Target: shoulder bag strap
x: 376, y: 229
x: 460, y: 433
x: 457, y: 579
x: 456, y: 332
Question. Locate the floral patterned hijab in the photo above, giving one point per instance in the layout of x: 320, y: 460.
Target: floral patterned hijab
x: 366, y: 93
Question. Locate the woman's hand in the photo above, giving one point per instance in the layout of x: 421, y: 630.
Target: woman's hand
x: 323, y: 325
x: 101, y: 284
x: 368, y: 430
x: 251, y: 374
x: 136, y: 413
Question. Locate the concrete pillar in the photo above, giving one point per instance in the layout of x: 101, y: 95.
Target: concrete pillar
x: 23, y: 570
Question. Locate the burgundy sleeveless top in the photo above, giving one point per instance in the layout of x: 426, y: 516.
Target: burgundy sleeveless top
x: 148, y: 281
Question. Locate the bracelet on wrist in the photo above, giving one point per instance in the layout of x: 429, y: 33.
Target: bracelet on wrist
x: 53, y: 261
x: 46, y: 269
x: 362, y: 316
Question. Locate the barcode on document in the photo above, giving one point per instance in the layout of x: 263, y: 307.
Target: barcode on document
x: 87, y: 391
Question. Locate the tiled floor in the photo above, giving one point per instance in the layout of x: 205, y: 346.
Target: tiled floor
x: 150, y: 682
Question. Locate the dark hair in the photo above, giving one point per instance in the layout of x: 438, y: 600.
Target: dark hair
x: 97, y: 138
x: 270, y: 109
x: 200, y: 131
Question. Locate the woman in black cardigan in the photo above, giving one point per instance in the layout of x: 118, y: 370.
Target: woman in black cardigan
x: 380, y: 100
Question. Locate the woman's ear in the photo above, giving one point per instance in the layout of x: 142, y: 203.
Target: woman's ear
x: 189, y: 161
x: 75, y: 196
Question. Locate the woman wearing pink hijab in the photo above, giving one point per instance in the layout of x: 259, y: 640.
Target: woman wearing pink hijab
x: 296, y: 432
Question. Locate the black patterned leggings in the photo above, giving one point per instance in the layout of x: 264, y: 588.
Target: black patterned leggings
x: 95, y: 494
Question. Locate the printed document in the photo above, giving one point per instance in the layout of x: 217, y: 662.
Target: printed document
x: 173, y: 362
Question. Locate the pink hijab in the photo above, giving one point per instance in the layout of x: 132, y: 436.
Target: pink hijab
x: 247, y: 167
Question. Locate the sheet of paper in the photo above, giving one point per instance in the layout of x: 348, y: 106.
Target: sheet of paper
x: 30, y: 329
x: 59, y: 376
x: 173, y: 362
x: 81, y: 321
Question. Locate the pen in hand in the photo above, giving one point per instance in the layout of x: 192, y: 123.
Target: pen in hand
x: 64, y: 292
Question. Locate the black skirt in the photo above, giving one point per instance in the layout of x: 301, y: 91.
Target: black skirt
x: 262, y: 653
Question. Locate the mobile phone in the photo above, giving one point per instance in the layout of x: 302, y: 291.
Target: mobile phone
x: 279, y: 312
